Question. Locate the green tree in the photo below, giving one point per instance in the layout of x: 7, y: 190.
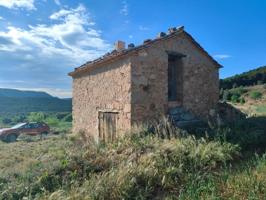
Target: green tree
x: 6, y: 121
x: 52, y: 121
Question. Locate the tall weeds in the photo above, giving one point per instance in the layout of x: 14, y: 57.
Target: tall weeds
x: 149, y: 167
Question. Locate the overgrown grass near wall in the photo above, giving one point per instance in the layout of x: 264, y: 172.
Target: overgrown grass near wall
x: 140, y: 166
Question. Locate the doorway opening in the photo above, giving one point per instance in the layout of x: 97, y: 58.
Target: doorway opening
x: 175, y: 78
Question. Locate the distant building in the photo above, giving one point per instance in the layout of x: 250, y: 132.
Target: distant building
x: 136, y: 84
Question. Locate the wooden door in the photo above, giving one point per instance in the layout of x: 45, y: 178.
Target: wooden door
x: 107, y: 126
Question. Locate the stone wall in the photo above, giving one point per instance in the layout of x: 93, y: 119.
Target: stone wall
x: 136, y: 86
x: 150, y: 82
x: 105, y: 88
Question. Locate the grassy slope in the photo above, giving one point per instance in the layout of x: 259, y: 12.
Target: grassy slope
x: 133, y: 168
x: 253, y: 107
x: 23, y: 163
x: 22, y: 157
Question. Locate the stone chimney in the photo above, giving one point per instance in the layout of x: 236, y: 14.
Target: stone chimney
x: 119, y: 45
x: 161, y: 34
x: 172, y: 30
x: 131, y: 45
x: 146, y: 41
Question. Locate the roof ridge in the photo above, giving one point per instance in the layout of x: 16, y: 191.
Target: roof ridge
x: 115, y: 54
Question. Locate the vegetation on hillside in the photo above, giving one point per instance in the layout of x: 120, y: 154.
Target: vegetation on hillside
x: 250, y: 100
x: 29, y: 104
x: 16, y: 101
x: 252, y: 77
x: 5, y: 92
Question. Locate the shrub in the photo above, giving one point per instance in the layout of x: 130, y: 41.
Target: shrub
x: 6, y: 121
x: 226, y: 95
x: 68, y: 118
x: 242, y: 100
x: 238, y: 91
x: 61, y: 115
x: 248, y: 133
x: 234, y: 94
x: 52, y: 121
x: 235, y: 98
x: 19, y: 118
x: 36, y: 117
x: 255, y: 95
x: 259, y: 82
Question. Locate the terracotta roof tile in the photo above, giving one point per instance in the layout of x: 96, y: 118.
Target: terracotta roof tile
x: 116, y: 54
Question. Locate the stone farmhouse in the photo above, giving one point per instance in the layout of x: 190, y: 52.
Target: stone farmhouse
x: 136, y: 84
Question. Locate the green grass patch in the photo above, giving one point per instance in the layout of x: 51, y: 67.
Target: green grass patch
x: 261, y: 109
x: 255, y: 95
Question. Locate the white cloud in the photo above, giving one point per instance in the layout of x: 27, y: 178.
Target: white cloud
x: 43, y: 54
x: 57, y: 2
x: 143, y: 28
x: 15, y: 4
x: 1, y: 18
x: 71, y: 36
x: 222, y: 56
x: 124, y: 9
x: 63, y: 14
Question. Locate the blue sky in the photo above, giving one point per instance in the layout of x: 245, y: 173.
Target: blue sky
x: 42, y: 40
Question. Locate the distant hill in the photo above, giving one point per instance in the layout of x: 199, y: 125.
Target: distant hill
x: 16, y: 101
x: 4, y: 92
x: 249, y: 78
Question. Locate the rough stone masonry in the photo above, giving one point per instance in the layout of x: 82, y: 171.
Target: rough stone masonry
x: 137, y: 84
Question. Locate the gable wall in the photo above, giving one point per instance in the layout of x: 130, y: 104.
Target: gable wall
x: 106, y: 88
x: 150, y: 82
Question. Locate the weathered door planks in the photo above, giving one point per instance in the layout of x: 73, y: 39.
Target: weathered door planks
x: 107, y: 126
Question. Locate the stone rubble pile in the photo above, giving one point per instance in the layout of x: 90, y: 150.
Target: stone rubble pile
x: 183, y: 118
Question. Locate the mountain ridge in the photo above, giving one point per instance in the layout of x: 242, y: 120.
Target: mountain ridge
x: 15, y: 93
x: 18, y: 101
x: 252, y: 77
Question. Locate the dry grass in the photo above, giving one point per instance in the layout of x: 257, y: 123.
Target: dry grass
x: 253, y: 107
x: 139, y: 166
